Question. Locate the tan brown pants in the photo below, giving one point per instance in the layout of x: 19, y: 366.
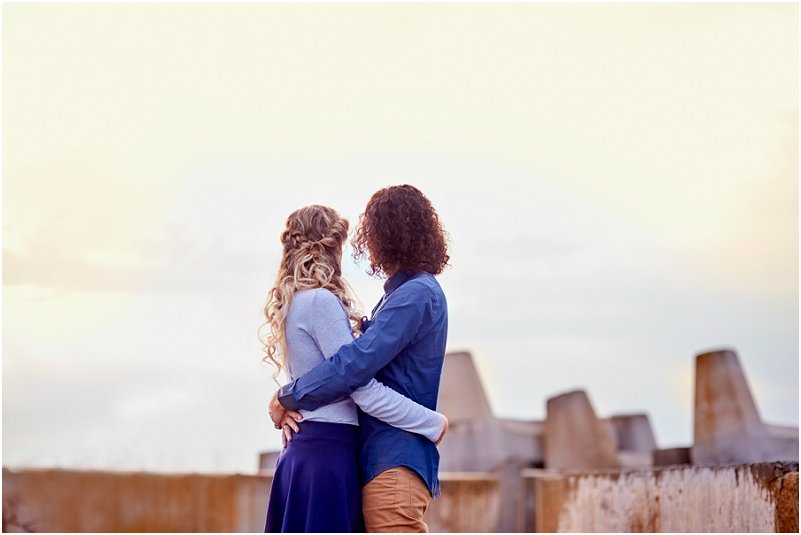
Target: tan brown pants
x: 395, y: 501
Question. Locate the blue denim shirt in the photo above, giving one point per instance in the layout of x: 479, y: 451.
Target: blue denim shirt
x: 402, y: 346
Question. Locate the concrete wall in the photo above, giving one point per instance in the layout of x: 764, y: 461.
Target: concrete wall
x: 96, y: 501
x: 734, y: 498
x: 470, y: 502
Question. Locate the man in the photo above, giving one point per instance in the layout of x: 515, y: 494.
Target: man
x: 402, y: 346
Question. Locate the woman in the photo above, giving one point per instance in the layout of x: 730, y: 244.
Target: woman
x: 311, y: 314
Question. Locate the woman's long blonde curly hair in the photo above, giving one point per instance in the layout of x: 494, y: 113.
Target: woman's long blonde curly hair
x: 312, y: 258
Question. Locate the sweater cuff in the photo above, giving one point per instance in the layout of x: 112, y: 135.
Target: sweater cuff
x: 436, y: 432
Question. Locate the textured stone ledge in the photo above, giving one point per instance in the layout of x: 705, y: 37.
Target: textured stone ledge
x: 96, y: 501
x: 759, y: 497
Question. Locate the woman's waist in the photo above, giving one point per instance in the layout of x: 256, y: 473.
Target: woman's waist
x: 341, y: 412
x: 330, y: 432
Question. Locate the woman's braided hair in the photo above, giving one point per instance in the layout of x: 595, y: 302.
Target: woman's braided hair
x: 312, y: 244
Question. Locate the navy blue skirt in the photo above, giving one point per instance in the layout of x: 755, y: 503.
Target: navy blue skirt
x: 316, y: 484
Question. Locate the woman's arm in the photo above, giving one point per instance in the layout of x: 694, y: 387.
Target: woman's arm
x: 357, y: 361
x: 331, y: 330
x: 390, y: 406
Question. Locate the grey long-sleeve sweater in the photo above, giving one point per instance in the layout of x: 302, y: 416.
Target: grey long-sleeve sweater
x: 316, y: 326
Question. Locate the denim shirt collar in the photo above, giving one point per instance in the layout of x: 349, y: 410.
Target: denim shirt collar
x: 397, y: 278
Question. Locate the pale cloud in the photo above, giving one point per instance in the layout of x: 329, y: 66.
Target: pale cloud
x: 619, y: 184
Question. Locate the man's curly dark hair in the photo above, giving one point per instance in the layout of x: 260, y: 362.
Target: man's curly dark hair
x: 400, y: 230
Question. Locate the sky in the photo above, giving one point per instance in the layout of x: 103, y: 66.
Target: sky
x: 619, y: 184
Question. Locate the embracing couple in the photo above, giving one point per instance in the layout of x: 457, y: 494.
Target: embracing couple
x: 358, y: 418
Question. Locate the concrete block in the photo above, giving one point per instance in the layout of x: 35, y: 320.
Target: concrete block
x: 462, y: 397
x: 477, y: 441
x: 633, y: 432
x: 635, y: 459
x: 574, y: 436
x: 727, y: 425
x: 671, y: 456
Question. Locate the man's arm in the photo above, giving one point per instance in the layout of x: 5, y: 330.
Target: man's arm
x: 354, y: 364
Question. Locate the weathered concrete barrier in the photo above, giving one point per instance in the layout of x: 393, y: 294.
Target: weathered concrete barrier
x: 96, y: 501
x: 732, y: 498
x: 478, y: 441
x: 727, y: 426
x: 470, y: 502
x: 575, y: 437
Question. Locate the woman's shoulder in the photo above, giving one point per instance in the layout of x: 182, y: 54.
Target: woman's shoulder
x: 318, y: 299
x: 326, y: 298
x: 318, y: 309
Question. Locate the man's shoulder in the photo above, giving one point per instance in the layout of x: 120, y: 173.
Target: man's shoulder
x: 423, y: 283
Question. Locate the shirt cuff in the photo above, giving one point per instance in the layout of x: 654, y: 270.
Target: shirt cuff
x: 286, y: 397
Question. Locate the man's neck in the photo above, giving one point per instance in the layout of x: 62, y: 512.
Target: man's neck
x: 396, y: 279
